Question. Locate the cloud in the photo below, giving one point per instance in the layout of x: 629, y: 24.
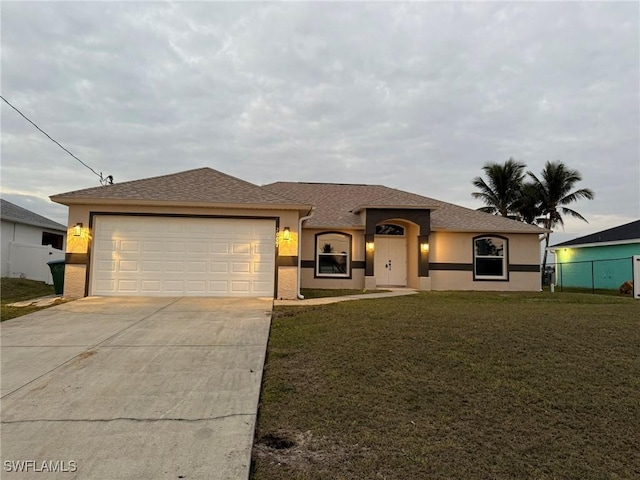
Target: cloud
x: 417, y: 96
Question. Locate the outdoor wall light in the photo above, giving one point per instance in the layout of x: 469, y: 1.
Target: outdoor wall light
x: 77, y: 230
x: 370, y: 246
x: 286, y: 234
x: 424, y: 247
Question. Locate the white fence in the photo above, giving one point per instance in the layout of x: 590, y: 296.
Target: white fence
x: 30, y: 261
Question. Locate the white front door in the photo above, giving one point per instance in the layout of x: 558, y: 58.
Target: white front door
x: 390, y: 265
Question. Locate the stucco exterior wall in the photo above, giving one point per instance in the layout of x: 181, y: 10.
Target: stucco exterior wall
x: 74, y: 281
x: 605, y: 267
x: 287, y: 283
x: 451, y: 261
x: 356, y: 281
x: 309, y: 280
x: 78, y: 248
x: 412, y: 232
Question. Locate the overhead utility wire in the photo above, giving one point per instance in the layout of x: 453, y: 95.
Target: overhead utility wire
x: 103, y: 180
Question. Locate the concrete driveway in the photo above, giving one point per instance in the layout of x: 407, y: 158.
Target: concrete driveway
x: 133, y: 388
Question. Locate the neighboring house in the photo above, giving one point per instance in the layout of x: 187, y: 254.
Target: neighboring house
x: 600, y: 260
x: 29, y: 241
x: 202, y: 232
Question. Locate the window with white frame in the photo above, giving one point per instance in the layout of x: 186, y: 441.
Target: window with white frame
x: 490, y: 258
x: 333, y: 254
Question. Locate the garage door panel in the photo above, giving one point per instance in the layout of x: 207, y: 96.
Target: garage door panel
x: 219, y: 287
x: 149, y: 287
x: 151, y: 267
x: 128, y: 266
x: 221, y: 248
x: 173, y: 256
x: 173, y: 267
x: 152, y: 247
x: 127, y: 286
x: 241, y: 248
x: 175, y: 247
x: 219, y: 267
x: 241, y: 267
x: 240, y: 286
x: 196, y: 267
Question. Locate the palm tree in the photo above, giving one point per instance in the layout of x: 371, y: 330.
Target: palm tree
x: 554, y: 192
x: 528, y: 204
x: 502, y: 190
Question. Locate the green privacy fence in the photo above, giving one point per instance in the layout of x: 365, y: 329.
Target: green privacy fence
x: 594, y: 274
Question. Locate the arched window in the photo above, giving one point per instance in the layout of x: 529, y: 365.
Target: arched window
x: 389, y: 229
x: 333, y: 254
x: 490, y: 258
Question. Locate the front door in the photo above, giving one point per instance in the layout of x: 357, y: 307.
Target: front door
x: 390, y: 265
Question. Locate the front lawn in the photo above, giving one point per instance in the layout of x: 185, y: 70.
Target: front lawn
x: 17, y: 289
x: 453, y: 385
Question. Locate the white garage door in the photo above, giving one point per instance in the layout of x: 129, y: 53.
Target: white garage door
x: 181, y: 256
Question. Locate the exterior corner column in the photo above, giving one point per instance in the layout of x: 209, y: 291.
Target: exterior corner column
x: 369, y: 258
x: 423, y: 255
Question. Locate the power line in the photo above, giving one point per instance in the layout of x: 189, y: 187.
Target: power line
x: 103, y: 180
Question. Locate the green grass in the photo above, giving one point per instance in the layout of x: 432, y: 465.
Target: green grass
x: 326, y: 292
x: 18, y: 289
x: 597, y: 291
x: 453, y: 385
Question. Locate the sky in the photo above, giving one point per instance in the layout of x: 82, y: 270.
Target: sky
x: 415, y: 96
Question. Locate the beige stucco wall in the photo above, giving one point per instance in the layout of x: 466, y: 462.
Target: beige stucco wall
x: 412, y: 232
x: 357, y: 279
x: 74, y: 281
x: 287, y: 283
x: 308, y: 279
x: 453, y: 247
x: 75, y: 275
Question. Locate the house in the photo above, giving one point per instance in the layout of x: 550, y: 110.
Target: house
x: 202, y: 232
x: 600, y: 260
x: 29, y: 241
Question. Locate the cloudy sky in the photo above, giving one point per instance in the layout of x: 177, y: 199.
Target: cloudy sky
x: 416, y: 96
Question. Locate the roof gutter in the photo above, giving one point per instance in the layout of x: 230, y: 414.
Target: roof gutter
x: 300, y: 222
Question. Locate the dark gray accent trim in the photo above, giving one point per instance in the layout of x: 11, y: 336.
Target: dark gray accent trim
x: 288, y: 261
x: 308, y: 264
x: 516, y: 267
x: 76, y: 258
x: 369, y: 255
x: 359, y: 264
x: 379, y: 215
x: 423, y: 257
x: 458, y: 267
x: 184, y: 215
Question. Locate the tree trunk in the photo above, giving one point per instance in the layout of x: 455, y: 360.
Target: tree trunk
x: 546, y: 245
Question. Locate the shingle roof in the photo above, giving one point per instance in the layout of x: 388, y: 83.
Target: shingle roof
x: 202, y: 185
x: 13, y: 213
x: 628, y: 231
x: 336, y: 206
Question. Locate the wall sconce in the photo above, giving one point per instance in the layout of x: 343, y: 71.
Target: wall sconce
x: 286, y: 234
x: 370, y: 246
x: 424, y: 247
x: 77, y: 230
